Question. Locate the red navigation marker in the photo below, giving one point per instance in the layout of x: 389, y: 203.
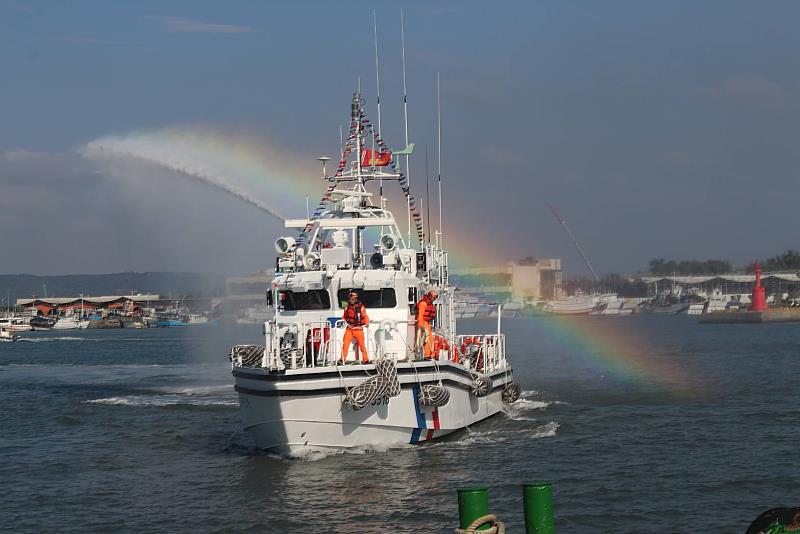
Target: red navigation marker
x: 759, y: 298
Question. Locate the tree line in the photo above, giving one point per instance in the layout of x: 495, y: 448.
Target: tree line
x: 662, y: 267
x: 788, y: 261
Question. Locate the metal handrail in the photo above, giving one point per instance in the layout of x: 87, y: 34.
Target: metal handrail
x: 493, y: 347
x: 311, y: 352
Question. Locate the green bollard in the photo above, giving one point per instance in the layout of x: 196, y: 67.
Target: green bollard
x: 472, y: 504
x: 538, y: 500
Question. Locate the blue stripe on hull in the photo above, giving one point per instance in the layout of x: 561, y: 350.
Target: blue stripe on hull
x: 420, y: 418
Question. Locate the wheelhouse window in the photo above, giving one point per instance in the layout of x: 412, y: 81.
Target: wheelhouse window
x: 315, y: 299
x: 379, y: 298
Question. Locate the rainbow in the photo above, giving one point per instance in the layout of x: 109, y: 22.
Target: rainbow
x: 277, y: 181
x: 612, y: 346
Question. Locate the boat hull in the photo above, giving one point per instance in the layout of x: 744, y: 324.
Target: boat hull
x: 302, y: 413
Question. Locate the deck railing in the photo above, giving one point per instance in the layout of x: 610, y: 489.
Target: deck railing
x: 319, y: 343
x: 486, y: 352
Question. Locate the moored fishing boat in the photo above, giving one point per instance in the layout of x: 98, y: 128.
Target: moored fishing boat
x: 7, y: 335
x: 295, y: 396
x: 71, y: 323
x: 15, y: 324
x: 41, y: 323
x: 577, y: 305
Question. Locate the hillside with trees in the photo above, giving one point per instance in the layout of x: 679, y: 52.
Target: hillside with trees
x: 165, y: 284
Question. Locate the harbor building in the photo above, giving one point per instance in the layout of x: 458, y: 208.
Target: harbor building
x: 127, y: 304
x: 524, y: 281
x: 119, y: 304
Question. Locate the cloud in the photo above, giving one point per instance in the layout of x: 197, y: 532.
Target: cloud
x: 755, y: 89
x: 30, y: 168
x: 185, y: 25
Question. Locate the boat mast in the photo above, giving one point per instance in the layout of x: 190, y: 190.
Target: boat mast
x: 357, y: 118
x: 341, y: 142
x: 360, y: 185
x: 405, y: 118
x: 575, y: 241
x: 378, y: 89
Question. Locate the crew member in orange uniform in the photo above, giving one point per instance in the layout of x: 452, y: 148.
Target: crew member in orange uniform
x: 426, y: 314
x: 355, y: 315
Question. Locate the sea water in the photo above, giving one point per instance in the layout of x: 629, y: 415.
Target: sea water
x: 643, y: 424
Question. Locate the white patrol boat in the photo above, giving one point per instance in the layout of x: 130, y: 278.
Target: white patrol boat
x: 295, y: 396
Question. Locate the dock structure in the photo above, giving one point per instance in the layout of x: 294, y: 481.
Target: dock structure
x: 783, y: 315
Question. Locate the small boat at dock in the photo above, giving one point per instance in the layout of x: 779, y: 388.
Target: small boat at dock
x: 40, y: 323
x: 6, y: 335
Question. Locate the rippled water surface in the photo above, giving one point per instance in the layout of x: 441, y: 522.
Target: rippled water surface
x: 643, y: 424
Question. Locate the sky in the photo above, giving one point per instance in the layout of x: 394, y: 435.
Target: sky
x: 173, y: 136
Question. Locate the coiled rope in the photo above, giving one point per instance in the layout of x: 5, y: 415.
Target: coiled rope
x: 251, y: 355
x: 383, y: 384
x: 497, y: 527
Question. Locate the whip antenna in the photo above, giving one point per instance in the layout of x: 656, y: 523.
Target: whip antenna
x: 428, y: 192
x: 377, y: 71
x: 439, y: 153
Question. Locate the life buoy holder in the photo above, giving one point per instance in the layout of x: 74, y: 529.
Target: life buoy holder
x: 470, y: 340
x: 476, y: 357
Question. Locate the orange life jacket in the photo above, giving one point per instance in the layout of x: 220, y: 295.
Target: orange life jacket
x: 354, y: 315
x: 429, y: 310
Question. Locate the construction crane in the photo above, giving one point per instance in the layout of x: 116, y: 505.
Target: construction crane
x: 563, y: 222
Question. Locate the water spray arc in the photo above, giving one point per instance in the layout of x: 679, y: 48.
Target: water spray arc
x: 245, y: 168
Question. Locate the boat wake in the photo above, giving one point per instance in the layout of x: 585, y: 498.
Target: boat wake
x: 205, y: 390
x: 50, y: 338
x: 173, y: 399
x: 468, y: 437
x: 526, y: 404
